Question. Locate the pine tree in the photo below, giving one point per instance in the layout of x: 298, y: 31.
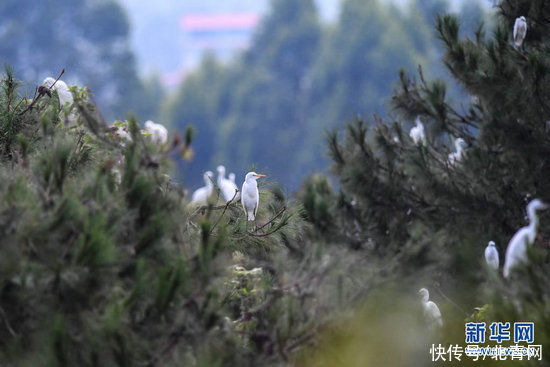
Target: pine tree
x: 104, y: 263
x: 424, y: 220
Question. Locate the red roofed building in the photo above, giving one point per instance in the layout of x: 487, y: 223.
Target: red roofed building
x: 221, y: 33
x: 219, y: 22
x: 224, y: 34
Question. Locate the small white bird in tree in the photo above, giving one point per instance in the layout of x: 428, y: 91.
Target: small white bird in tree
x: 417, y: 133
x: 431, y: 311
x: 520, y: 30
x: 201, y: 195
x: 65, y: 95
x: 227, y: 188
x: 159, y: 134
x: 491, y: 256
x: 250, y: 196
x: 456, y: 156
x: 516, y: 252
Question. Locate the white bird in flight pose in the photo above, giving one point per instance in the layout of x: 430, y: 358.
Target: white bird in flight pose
x: 431, y: 311
x: 159, y: 134
x: 520, y: 30
x: 201, y: 195
x: 417, y: 132
x: 457, y: 156
x: 65, y: 95
x: 227, y: 187
x: 516, y: 252
x: 491, y: 255
x: 250, y: 197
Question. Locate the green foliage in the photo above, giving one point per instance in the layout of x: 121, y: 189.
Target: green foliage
x: 424, y: 221
x: 90, y: 39
x: 104, y: 262
x: 296, y: 79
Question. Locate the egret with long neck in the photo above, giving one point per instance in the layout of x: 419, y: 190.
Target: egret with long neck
x: 431, y: 311
x: 250, y: 196
x: 516, y: 253
x: 201, y: 195
x: 457, y: 156
x: 228, y: 189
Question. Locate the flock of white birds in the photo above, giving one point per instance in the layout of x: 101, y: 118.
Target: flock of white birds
x: 249, y: 194
x: 516, y: 252
x: 516, y: 255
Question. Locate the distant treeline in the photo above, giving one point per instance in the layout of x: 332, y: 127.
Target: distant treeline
x: 271, y: 107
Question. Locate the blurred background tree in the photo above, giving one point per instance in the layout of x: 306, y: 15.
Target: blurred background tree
x: 89, y: 38
x: 299, y: 77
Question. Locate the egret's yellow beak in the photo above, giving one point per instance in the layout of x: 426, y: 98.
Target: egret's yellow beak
x: 260, y: 175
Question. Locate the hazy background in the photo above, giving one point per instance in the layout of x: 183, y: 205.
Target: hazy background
x: 260, y: 80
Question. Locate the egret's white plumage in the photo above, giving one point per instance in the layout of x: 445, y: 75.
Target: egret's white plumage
x: 232, y: 180
x: 65, y: 95
x: 520, y: 30
x: 431, y: 311
x: 121, y: 132
x: 417, y: 132
x: 516, y: 252
x: 200, y: 196
x: 491, y: 255
x: 227, y: 187
x: 250, y: 196
x: 159, y: 134
x: 457, y: 155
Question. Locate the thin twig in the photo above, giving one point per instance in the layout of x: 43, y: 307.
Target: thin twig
x: 270, y: 221
x: 7, y: 323
x: 38, y: 94
x: 224, y: 210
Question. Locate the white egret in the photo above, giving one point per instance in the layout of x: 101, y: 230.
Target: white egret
x: 516, y: 252
x: 200, y: 196
x: 520, y: 30
x: 431, y: 311
x: 65, y: 95
x: 457, y: 156
x: 231, y: 177
x: 491, y: 255
x: 121, y: 132
x: 227, y: 187
x: 250, y: 197
x: 417, y: 132
x: 159, y: 134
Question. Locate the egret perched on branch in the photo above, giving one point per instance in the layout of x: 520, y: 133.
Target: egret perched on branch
x: 516, y: 252
x: 200, y: 196
x: 65, y: 95
x: 250, y: 197
x: 431, y: 311
x: 491, y: 255
x: 417, y: 132
x: 227, y: 187
x: 520, y: 30
x: 159, y: 134
x: 457, y: 156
